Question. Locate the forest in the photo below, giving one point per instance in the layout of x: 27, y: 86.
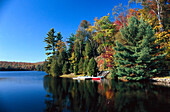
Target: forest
x: 130, y: 43
x: 20, y: 66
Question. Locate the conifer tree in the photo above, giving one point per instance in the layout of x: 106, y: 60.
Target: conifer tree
x: 139, y: 58
x: 76, y: 69
x: 85, y: 65
x: 70, y: 42
x: 65, y: 68
x: 46, y: 67
x: 92, y: 67
x: 80, y: 66
x: 71, y: 68
x: 51, y: 42
x: 61, y: 58
x: 77, y: 51
x: 54, y: 70
x: 88, y: 49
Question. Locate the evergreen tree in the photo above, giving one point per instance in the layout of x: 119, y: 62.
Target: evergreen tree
x: 92, y: 67
x: 65, y: 68
x: 71, y: 68
x: 80, y: 66
x: 46, y: 67
x: 70, y: 42
x: 51, y: 42
x: 76, y: 69
x: 54, y: 70
x: 137, y: 59
x: 77, y: 51
x: 85, y: 65
x: 88, y: 49
x: 61, y: 58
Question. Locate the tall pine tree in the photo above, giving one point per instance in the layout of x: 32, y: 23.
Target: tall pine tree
x: 80, y: 66
x: 138, y: 59
x: 85, y: 65
x: 92, y: 67
x: 51, y: 42
x: 65, y: 68
x: 88, y: 49
x: 54, y: 70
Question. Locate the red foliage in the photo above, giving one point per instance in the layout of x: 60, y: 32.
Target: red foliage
x: 108, y: 56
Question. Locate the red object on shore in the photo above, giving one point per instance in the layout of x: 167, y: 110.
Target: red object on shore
x: 96, y: 78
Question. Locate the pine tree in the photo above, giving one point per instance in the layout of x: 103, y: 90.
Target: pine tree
x: 85, y: 65
x: 137, y: 59
x: 71, y: 68
x: 80, y: 66
x: 76, y: 69
x: 51, y: 42
x: 70, y: 42
x: 88, y: 49
x: 61, y: 58
x: 65, y: 68
x: 54, y: 70
x: 46, y: 67
x: 92, y: 67
x: 77, y: 51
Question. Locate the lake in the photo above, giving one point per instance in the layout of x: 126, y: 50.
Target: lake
x: 32, y: 91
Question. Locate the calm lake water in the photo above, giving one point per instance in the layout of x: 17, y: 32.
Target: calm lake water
x: 31, y: 91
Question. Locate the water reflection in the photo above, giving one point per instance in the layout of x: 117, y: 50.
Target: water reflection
x: 107, y: 95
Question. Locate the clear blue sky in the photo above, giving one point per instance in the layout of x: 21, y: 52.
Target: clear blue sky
x: 25, y: 23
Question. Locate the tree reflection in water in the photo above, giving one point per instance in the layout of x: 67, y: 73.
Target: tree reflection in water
x: 104, y: 96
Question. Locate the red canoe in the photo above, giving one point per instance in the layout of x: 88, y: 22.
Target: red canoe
x: 96, y: 78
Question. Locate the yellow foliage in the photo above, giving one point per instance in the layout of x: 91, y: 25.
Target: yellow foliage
x: 73, y: 59
x: 60, y: 46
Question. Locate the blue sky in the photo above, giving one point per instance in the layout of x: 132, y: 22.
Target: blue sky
x: 25, y: 23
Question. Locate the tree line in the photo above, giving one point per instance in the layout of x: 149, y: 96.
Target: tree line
x: 20, y: 66
x: 134, y: 45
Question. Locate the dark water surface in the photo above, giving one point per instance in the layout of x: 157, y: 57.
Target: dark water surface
x: 32, y: 92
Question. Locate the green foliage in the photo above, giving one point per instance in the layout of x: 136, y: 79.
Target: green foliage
x: 65, y: 68
x: 105, y: 31
x: 76, y: 69
x: 61, y: 58
x: 70, y: 42
x: 139, y: 58
x: 77, y: 51
x: 85, y: 65
x: 71, y: 68
x: 88, y: 49
x: 55, y: 69
x: 51, y: 42
x: 80, y: 66
x: 92, y: 67
x: 46, y: 67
